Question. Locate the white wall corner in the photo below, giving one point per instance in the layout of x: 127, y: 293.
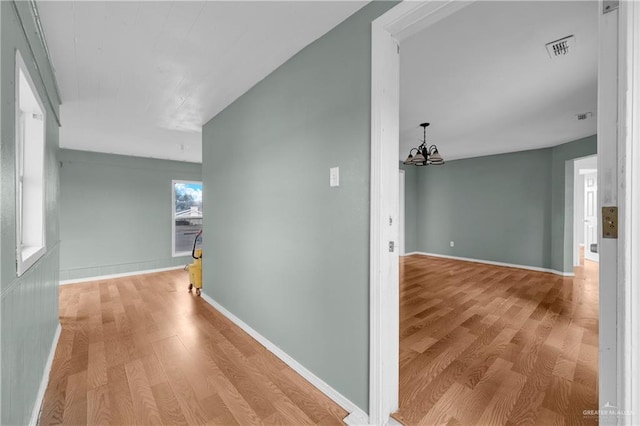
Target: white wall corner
x: 356, y: 415
x: 44, y: 382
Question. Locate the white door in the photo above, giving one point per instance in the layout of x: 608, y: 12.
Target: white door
x: 591, y: 217
x: 401, y: 249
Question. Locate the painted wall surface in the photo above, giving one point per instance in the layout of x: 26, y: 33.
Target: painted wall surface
x: 515, y: 208
x: 410, y: 207
x: 284, y: 252
x: 29, y: 304
x: 495, y: 208
x: 115, y: 213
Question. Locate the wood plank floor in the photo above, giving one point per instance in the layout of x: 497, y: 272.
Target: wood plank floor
x: 142, y: 350
x: 489, y: 345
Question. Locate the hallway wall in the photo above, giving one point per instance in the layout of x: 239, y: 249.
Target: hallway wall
x: 285, y: 252
x: 29, y: 304
x: 115, y: 213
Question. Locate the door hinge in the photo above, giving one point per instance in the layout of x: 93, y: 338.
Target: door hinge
x: 610, y: 222
x: 610, y: 6
x: 392, y: 246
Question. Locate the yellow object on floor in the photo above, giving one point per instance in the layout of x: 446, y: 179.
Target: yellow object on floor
x: 195, y: 272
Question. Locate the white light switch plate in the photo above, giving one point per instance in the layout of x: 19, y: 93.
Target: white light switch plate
x: 334, y: 176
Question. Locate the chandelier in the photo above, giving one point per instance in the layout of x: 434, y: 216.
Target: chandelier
x: 425, y: 155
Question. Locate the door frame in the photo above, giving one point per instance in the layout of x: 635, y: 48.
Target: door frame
x: 630, y: 177
x: 622, y: 343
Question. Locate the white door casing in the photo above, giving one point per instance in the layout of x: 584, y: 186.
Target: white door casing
x: 384, y: 282
x: 399, y: 22
x: 630, y: 36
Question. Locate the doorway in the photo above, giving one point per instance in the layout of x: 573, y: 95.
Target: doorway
x: 406, y: 19
x: 585, y: 208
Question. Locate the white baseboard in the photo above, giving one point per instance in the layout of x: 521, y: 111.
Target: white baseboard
x: 490, y: 262
x: 37, y: 406
x: 124, y: 274
x: 356, y: 415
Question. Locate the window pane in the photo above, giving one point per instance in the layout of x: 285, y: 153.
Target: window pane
x: 30, y: 150
x: 186, y: 231
x: 187, y: 215
x: 188, y: 198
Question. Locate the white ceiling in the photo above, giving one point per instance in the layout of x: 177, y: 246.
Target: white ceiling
x: 483, y: 79
x: 141, y: 78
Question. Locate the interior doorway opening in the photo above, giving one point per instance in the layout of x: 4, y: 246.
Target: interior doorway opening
x: 585, y: 208
x: 400, y: 22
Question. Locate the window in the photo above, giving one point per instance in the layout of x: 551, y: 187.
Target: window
x: 186, y: 215
x: 30, y: 148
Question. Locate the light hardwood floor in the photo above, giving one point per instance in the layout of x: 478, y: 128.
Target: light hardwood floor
x: 488, y: 345
x: 141, y: 350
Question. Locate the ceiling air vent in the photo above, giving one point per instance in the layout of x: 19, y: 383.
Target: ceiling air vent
x: 584, y: 115
x: 561, y: 47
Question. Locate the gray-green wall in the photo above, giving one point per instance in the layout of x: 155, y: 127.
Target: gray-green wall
x: 284, y: 252
x: 115, y: 213
x: 410, y: 207
x: 514, y: 208
x: 29, y: 305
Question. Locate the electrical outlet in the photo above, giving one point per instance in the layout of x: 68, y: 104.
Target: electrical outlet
x: 451, y: 243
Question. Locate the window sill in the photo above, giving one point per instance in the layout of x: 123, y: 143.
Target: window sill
x: 28, y: 257
x: 182, y: 254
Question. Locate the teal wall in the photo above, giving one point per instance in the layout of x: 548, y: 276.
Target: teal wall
x: 284, y: 252
x: 115, y: 213
x: 410, y: 207
x: 29, y: 304
x: 495, y: 208
x: 514, y: 208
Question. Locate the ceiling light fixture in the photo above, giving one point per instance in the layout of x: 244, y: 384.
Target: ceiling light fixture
x: 424, y: 156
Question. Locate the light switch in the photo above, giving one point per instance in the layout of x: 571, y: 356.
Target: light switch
x: 334, y: 176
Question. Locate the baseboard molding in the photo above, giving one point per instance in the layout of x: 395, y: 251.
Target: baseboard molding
x: 490, y: 262
x: 37, y: 406
x: 124, y: 274
x: 356, y: 415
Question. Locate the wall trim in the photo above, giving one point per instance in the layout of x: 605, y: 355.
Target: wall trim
x: 356, y: 415
x: 37, y: 406
x: 123, y: 274
x: 491, y: 262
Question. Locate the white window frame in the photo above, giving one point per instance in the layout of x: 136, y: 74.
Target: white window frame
x: 173, y: 216
x: 27, y: 256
